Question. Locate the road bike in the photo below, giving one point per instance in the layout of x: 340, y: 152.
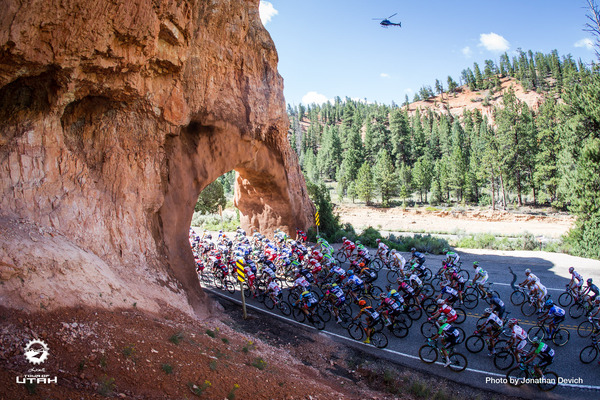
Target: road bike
x: 589, y: 353
x: 522, y: 374
x: 357, y: 331
x: 429, y: 353
x: 589, y: 327
x: 559, y: 336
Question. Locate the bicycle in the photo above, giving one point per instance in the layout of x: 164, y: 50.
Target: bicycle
x: 429, y: 353
x: 588, y: 327
x: 476, y: 342
x: 273, y: 301
x: 506, y: 331
x: 590, y: 352
x: 431, y: 328
x: 357, y: 331
x: 472, y: 293
x: 579, y: 307
x: 524, y: 373
x: 559, y: 336
x: 570, y: 294
x: 313, y: 317
x: 519, y: 295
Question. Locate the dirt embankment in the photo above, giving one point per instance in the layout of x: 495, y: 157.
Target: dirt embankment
x: 502, y: 223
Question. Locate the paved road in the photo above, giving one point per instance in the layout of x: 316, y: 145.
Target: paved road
x: 552, y: 270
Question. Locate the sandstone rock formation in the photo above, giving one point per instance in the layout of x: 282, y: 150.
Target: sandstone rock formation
x: 114, y: 115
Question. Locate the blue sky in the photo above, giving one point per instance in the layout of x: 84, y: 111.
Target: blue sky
x: 331, y: 48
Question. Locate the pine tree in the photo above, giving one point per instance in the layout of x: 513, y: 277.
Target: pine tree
x: 386, y: 181
x: 422, y: 176
x: 365, y: 188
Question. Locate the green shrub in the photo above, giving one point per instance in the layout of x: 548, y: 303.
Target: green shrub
x: 167, y: 368
x: 259, y: 363
x: 176, y: 338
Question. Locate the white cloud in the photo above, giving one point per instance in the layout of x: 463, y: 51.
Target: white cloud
x: 384, y: 75
x: 266, y: 11
x: 467, y: 52
x: 493, y: 42
x: 587, y: 43
x: 314, y: 97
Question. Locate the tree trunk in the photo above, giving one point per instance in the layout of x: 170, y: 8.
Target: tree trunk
x: 493, y: 192
x: 503, y: 192
x: 518, y: 178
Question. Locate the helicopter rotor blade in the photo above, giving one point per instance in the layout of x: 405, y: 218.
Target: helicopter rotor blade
x: 392, y: 16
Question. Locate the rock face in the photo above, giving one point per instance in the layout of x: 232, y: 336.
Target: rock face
x: 114, y: 115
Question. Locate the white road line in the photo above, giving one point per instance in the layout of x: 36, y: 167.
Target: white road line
x: 477, y: 371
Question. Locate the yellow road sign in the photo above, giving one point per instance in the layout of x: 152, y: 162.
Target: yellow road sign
x: 317, y: 219
x: 240, y: 270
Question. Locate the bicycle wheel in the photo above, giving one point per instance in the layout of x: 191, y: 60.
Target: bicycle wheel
x: 470, y: 301
x: 435, y: 282
x: 345, y: 317
x: 405, y: 320
x: 324, y: 313
x: 474, y: 343
x: 414, y: 312
x: 428, y: 354
x: 427, y: 290
x: 429, y: 307
x: 218, y: 281
x: 317, y: 321
x: 548, y: 382
x: 588, y: 354
x: 516, y: 376
x: 458, y: 362
x: 465, y: 274
x: 269, y: 303
x: 426, y: 275
x: 428, y: 329
x: 341, y: 257
x: 462, y: 315
x: 576, y: 310
x: 379, y: 340
x: 585, y: 329
x: 285, y: 308
x: 528, y: 309
x: 534, y: 331
x: 561, y: 337
x: 462, y: 336
x: 376, y: 264
x: 356, y: 331
x: 375, y: 292
x: 565, y: 299
x: 503, y: 360
x: 229, y: 285
x: 392, y: 276
x: 517, y: 297
x: 399, y: 329
x: 298, y: 314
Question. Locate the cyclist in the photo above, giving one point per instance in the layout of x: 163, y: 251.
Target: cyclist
x: 444, y: 308
x: 480, y: 278
x: 530, y: 279
x: 274, y: 291
x: 452, y: 257
x: 493, y: 326
x: 450, y: 337
x: 336, y: 274
x: 458, y: 282
x: 392, y: 293
x: 542, y: 350
x: 354, y: 284
x: 391, y: 306
x: 553, y: 312
x: 309, y: 303
x: 382, y: 250
x: 518, y: 338
x: 539, y: 293
x: 398, y: 261
x: 417, y: 257
x: 410, y: 292
x: 368, y: 275
x: 591, y: 291
x: 497, y: 304
x: 372, y: 317
x: 576, y: 282
x: 335, y: 295
x: 301, y: 282
x: 450, y: 291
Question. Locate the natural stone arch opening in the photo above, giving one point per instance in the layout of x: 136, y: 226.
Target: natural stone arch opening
x: 195, y: 158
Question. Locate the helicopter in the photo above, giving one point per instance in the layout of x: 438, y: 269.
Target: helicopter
x: 385, y: 22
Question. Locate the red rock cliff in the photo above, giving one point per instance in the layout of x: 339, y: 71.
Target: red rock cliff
x: 114, y: 115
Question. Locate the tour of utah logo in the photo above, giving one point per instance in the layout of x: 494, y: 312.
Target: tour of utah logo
x: 36, y: 352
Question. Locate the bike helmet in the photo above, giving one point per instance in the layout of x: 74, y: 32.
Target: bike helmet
x: 388, y: 287
x: 589, y: 281
x: 571, y: 269
x: 536, y: 340
x: 527, y: 271
x: 343, y: 238
x: 444, y: 283
x: 487, y: 311
x: 440, y: 301
x: 549, y: 303
x: 413, y: 250
x: 442, y: 319
x: 475, y: 264
x: 382, y: 296
x: 445, y: 250
x: 362, y: 303
x: 513, y: 321
x: 358, y: 242
x: 394, y: 251
x: 378, y: 240
x: 350, y: 272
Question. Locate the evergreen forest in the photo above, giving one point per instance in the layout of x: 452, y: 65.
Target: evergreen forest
x: 500, y: 154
